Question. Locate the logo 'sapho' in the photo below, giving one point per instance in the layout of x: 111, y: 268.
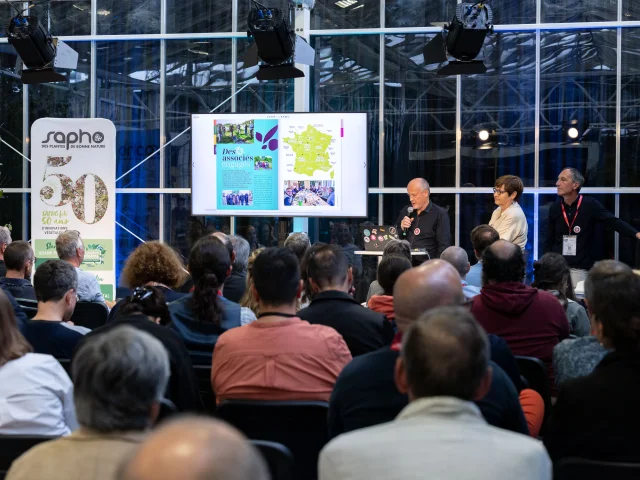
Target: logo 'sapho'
x: 73, y: 138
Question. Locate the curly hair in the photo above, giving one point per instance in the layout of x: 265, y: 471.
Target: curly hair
x: 153, y: 262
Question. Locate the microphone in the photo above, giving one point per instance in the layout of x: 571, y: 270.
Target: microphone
x: 409, y: 212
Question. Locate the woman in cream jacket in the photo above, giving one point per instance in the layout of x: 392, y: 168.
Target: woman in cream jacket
x: 509, y: 219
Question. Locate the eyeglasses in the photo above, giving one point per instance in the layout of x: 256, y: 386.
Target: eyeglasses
x: 498, y: 191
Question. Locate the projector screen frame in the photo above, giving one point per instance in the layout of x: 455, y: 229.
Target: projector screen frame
x: 278, y: 213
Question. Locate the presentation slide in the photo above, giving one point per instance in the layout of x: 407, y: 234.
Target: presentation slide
x: 293, y: 164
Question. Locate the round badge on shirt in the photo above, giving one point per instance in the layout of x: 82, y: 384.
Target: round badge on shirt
x: 576, y: 229
x: 416, y: 231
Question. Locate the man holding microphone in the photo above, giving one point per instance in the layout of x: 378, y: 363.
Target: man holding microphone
x: 423, y: 223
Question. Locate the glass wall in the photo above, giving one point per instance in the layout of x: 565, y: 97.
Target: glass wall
x: 147, y: 66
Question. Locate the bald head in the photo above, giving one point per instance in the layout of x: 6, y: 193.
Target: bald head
x: 503, y: 262
x: 419, y: 183
x: 435, y: 283
x: 195, y: 448
x: 457, y: 257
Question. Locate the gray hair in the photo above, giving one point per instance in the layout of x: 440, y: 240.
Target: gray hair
x: 600, y: 272
x: 576, y: 176
x: 5, y: 235
x: 67, y: 243
x: 446, y: 353
x: 242, y: 249
x: 118, y: 376
x: 298, y: 243
x: 397, y: 247
x: 457, y: 257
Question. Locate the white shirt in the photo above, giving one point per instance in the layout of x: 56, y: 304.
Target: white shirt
x: 511, y: 224
x: 435, y: 438
x: 36, y: 397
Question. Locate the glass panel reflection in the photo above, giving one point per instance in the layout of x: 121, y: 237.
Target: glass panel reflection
x: 198, y: 16
x: 10, y: 117
x: 63, y: 17
x: 119, y: 17
x: 629, y: 248
x: 570, y: 11
x: 630, y: 109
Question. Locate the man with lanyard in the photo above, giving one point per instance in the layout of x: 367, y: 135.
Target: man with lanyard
x: 427, y: 225
x: 573, y: 222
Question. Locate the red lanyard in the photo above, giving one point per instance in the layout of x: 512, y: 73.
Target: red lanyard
x: 566, y: 220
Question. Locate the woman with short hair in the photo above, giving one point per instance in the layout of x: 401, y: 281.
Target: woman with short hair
x: 509, y: 219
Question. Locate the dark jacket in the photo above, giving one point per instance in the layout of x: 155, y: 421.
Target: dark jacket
x: 531, y: 321
x: 201, y: 337
x: 21, y: 317
x: 365, y: 394
x: 169, y: 296
x: 183, y: 385
x: 235, y: 286
x: 362, y: 329
x: 18, y: 287
x: 51, y: 338
x: 597, y: 417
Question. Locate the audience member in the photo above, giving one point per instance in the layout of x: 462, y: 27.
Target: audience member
x: 36, y: 393
x: 236, y: 283
x: 443, y: 367
x: 298, y: 243
x: 577, y: 357
x: 19, y: 261
x: 530, y: 320
x: 146, y: 310
x: 70, y: 248
x: 389, y: 270
x: 195, y: 448
x: 331, y: 278
x: 119, y: 380
x: 596, y: 417
x: 153, y: 264
x: 365, y: 393
x: 308, y: 294
x: 50, y: 330
x: 248, y: 300
x: 202, y: 316
x: 458, y: 257
x: 508, y: 219
x: 5, y: 241
x: 251, y: 236
x: 394, y: 247
x: 552, y: 274
x: 481, y: 237
x: 279, y: 356
x: 345, y: 240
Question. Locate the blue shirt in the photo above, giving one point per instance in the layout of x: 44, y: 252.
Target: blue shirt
x: 474, y: 277
x: 332, y: 199
x: 52, y: 338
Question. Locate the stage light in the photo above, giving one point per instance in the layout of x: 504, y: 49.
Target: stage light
x: 573, y: 133
x: 463, y: 39
x: 276, y: 44
x: 483, y: 135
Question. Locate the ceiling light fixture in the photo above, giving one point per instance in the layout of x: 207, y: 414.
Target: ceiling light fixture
x: 346, y: 3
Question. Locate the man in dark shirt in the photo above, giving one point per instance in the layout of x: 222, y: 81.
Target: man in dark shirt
x: 50, y: 331
x: 19, y: 259
x: 365, y: 393
x: 330, y: 276
x: 573, y: 222
x: 427, y: 226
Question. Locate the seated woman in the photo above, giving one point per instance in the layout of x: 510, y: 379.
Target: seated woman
x: 509, y: 219
x: 248, y: 300
x: 152, y: 264
x: 389, y: 270
x: 394, y: 247
x: 202, y: 316
x: 36, y: 393
x: 552, y: 273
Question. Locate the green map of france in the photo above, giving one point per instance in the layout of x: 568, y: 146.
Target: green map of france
x: 310, y: 147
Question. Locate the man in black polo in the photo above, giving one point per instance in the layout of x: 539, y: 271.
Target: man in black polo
x: 427, y: 226
x: 573, y: 222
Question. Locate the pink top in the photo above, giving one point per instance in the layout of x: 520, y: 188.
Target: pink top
x: 281, y: 360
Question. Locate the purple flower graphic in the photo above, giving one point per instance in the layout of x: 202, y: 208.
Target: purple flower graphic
x: 268, y: 141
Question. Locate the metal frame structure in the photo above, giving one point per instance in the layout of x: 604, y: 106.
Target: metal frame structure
x: 303, y: 90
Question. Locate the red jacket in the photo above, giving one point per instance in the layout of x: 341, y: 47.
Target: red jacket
x: 382, y: 304
x: 531, y: 321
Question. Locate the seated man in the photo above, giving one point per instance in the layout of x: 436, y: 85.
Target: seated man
x: 458, y: 257
x: 194, y: 448
x: 331, y: 277
x: 119, y: 380
x: 481, y: 237
x: 19, y: 260
x: 531, y: 321
x: 443, y: 367
x: 279, y: 356
x: 50, y: 331
x: 70, y: 248
x: 236, y: 283
x: 365, y: 393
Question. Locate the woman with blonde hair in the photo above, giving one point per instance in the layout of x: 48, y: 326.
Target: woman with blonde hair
x: 248, y: 300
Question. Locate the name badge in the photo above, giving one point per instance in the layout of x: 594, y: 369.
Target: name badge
x: 569, y: 245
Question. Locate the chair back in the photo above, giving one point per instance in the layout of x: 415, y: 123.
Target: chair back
x: 279, y: 459
x: 12, y: 446
x: 66, y: 364
x: 581, y: 469
x: 301, y: 426
x: 90, y: 314
x: 29, y: 307
x: 534, y: 372
x: 208, y: 397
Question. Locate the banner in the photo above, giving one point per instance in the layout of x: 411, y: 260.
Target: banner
x: 73, y: 165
